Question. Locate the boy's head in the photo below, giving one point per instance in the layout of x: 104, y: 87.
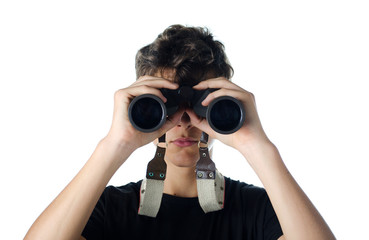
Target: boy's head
x: 190, y: 53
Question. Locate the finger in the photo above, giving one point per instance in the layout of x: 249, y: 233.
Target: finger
x: 135, y: 91
x: 172, y: 121
x: 220, y: 82
x: 238, y: 94
x: 155, y: 82
x: 200, y: 123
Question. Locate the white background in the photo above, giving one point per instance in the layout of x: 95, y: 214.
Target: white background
x: 307, y: 62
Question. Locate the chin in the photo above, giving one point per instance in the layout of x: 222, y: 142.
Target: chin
x: 185, y: 164
x: 183, y: 159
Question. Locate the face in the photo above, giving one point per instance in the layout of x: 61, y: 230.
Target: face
x: 182, y: 140
x: 182, y: 150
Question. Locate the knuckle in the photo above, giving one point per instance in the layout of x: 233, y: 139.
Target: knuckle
x: 118, y: 94
x: 251, y: 96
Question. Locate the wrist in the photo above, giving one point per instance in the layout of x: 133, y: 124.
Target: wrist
x: 118, y: 145
x: 115, y: 152
x: 252, y: 144
x: 260, y: 154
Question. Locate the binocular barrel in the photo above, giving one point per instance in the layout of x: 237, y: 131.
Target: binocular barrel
x: 147, y: 112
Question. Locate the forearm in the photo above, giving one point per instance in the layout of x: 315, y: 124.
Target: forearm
x: 298, y: 217
x: 67, y: 215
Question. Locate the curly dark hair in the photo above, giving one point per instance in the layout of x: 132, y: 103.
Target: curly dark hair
x: 190, y: 51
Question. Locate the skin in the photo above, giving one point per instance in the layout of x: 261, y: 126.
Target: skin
x: 67, y: 215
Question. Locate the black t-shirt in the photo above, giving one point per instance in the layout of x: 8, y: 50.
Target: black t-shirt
x: 247, y: 214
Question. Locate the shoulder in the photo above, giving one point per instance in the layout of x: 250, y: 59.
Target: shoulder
x: 238, y: 187
x: 129, y: 191
x: 128, y: 188
x: 243, y: 194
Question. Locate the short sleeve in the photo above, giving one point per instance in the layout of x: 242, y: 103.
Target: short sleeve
x: 271, y: 226
x: 260, y: 217
x: 94, y: 228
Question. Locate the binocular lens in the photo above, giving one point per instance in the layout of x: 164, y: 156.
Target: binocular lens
x: 225, y: 115
x: 147, y: 113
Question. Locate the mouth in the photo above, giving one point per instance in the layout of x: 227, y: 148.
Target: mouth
x: 185, y: 142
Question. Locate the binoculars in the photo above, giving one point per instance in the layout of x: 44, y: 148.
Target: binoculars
x: 147, y: 112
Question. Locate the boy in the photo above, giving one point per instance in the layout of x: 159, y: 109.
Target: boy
x: 182, y: 56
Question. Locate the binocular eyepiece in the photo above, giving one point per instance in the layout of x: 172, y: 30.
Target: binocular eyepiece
x: 147, y: 112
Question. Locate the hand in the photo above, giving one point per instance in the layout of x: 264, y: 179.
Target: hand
x: 250, y: 133
x: 121, y: 130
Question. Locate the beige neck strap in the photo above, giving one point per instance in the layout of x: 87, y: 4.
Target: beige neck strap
x: 210, y: 183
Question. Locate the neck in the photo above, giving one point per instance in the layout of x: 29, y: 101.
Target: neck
x: 180, y: 181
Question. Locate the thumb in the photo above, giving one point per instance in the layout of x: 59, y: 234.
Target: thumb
x: 172, y: 121
x: 200, y: 123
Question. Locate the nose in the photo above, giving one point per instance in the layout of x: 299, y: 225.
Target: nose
x: 185, y: 121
